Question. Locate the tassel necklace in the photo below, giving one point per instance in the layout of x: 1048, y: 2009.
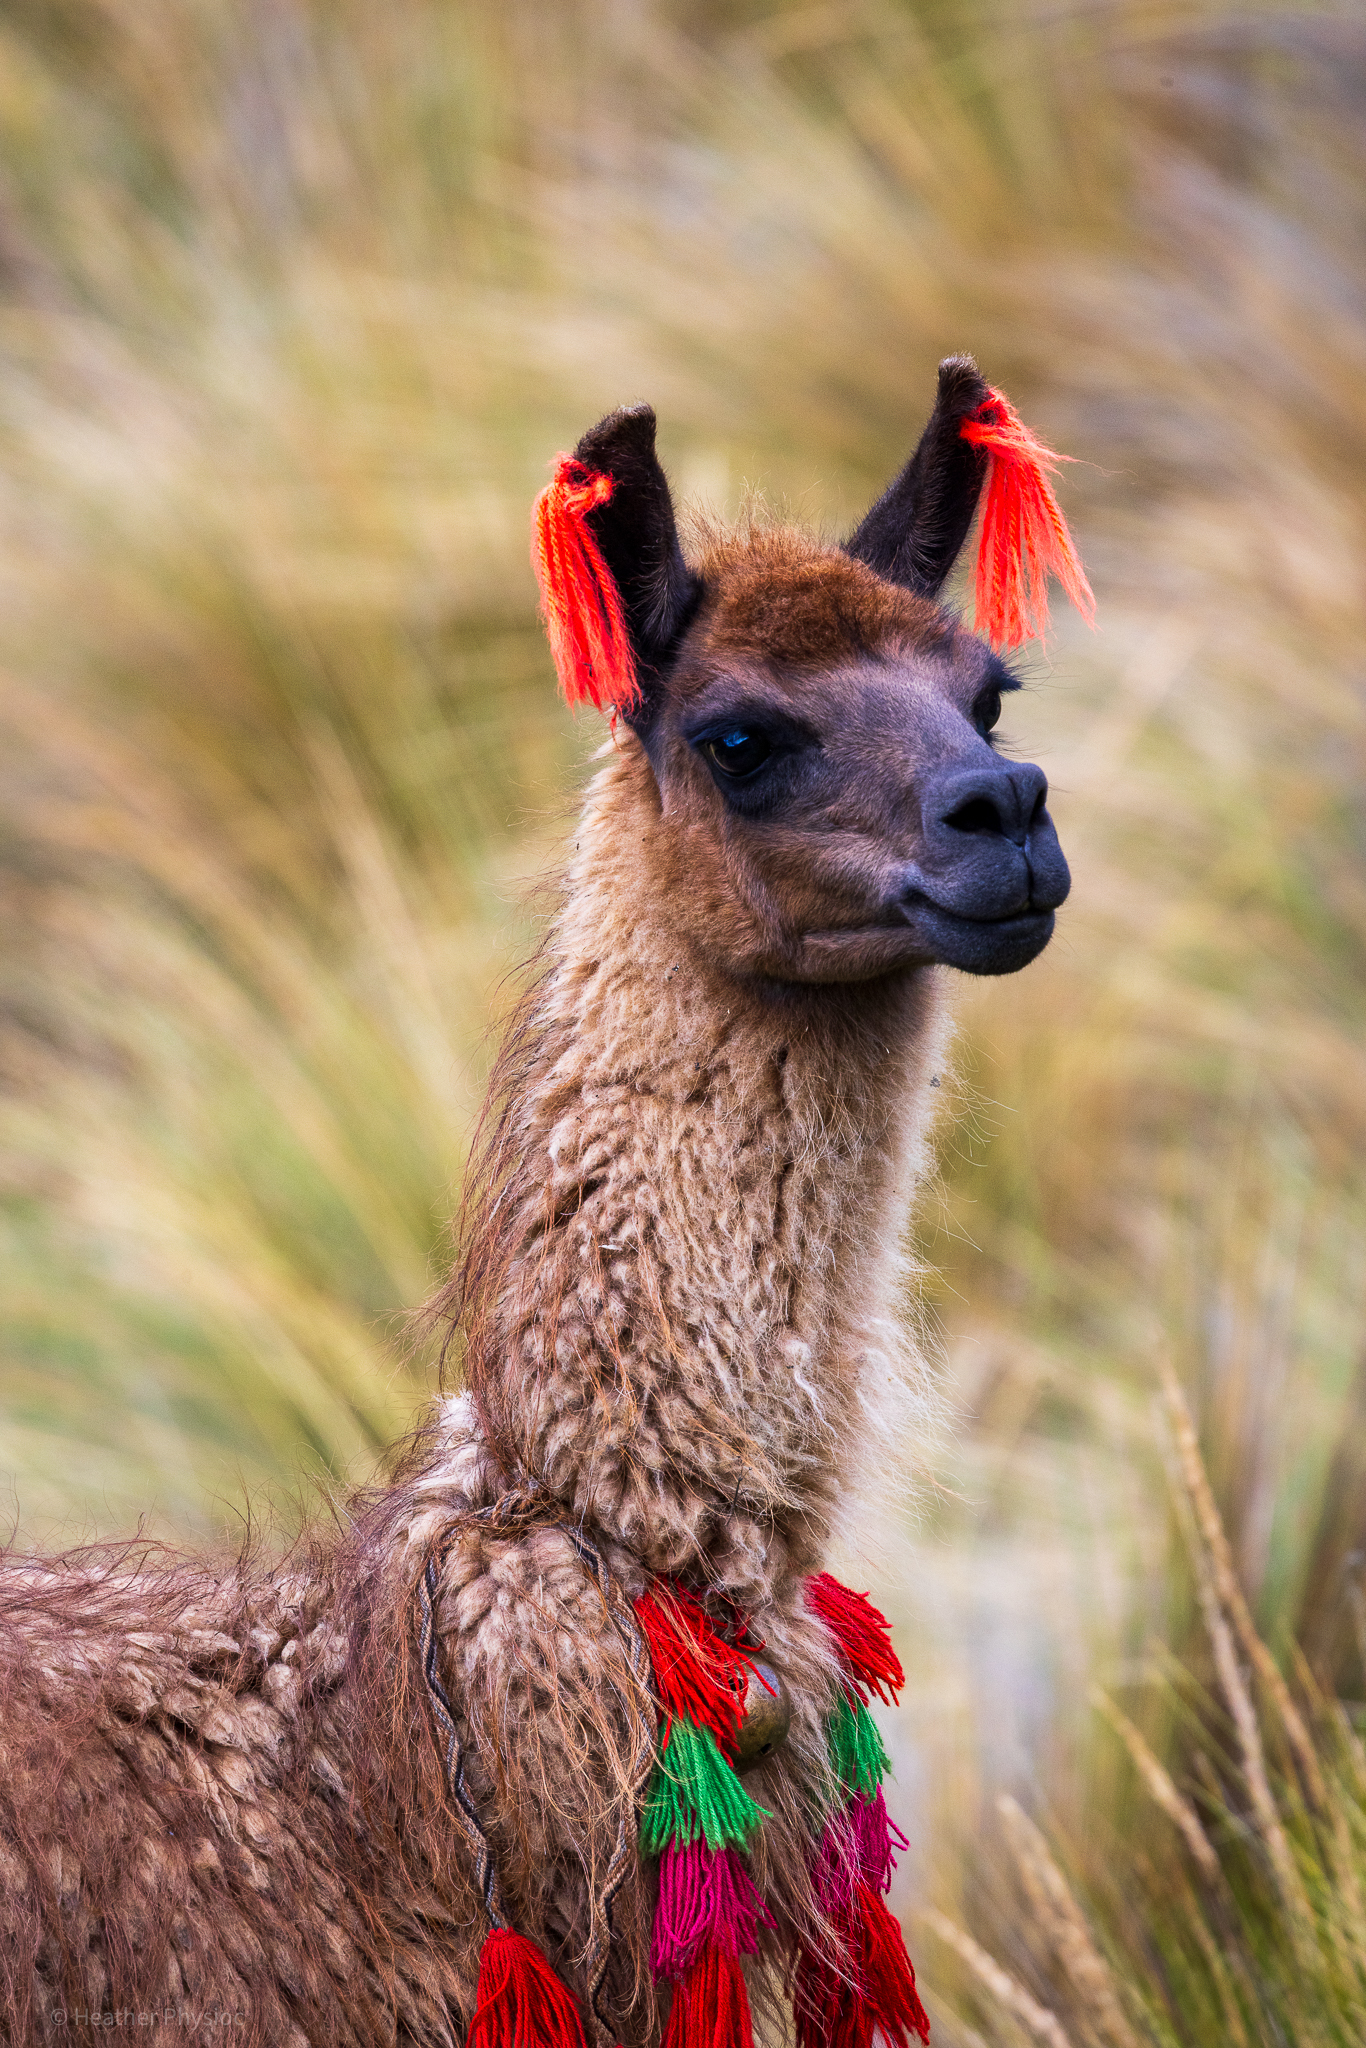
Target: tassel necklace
x: 699, y: 1821
x: 841, y: 1998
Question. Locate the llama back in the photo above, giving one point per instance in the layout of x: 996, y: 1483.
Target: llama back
x: 183, y: 1843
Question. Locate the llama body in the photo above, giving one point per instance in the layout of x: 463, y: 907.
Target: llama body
x: 679, y: 1296
x: 228, y: 1728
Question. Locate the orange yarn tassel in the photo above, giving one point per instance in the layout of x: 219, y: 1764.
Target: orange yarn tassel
x: 520, y: 2002
x: 580, y: 602
x: 711, y: 2005
x: 1023, y: 534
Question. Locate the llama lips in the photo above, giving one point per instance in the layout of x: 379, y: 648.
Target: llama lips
x: 988, y: 908
x: 978, y: 945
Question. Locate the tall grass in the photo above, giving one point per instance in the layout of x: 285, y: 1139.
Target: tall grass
x: 295, y: 302
x: 1220, y: 1901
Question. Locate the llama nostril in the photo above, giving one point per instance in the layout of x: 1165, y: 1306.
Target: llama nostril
x: 979, y: 814
x: 997, y: 807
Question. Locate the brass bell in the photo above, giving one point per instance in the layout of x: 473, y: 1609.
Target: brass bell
x: 767, y: 1717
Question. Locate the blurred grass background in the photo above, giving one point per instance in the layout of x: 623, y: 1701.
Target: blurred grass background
x: 296, y: 299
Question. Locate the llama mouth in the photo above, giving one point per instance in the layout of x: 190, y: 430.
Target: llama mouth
x: 923, y: 935
x: 978, y: 945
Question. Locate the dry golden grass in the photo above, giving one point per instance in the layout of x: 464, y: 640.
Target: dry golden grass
x: 295, y: 302
x: 1237, y: 1916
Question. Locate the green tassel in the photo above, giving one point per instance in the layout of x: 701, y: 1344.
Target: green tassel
x: 695, y: 1792
x: 857, y: 1757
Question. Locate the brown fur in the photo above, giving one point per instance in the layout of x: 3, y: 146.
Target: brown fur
x: 678, y: 1297
x: 778, y: 601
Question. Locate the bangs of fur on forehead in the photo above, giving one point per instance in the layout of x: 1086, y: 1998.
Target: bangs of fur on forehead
x: 774, y: 593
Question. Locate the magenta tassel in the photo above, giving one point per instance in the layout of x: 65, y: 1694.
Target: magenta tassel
x: 876, y: 1840
x: 704, y: 1894
x: 858, y: 1847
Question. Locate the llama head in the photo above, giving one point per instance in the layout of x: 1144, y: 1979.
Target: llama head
x: 825, y: 800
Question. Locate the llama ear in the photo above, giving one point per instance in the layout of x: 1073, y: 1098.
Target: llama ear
x: 637, y: 536
x: 914, y: 533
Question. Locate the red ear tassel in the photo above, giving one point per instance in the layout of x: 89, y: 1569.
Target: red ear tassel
x: 1023, y: 533
x: 520, y: 2002
x: 580, y: 601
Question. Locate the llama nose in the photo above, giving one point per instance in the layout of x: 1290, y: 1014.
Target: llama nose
x: 987, y: 845
x: 1005, y: 800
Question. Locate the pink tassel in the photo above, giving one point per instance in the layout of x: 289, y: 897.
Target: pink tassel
x: 704, y: 1895
x: 858, y: 1852
x: 834, y: 1877
x: 877, y: 1840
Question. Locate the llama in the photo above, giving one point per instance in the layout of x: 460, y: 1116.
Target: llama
x: 284, y: 1803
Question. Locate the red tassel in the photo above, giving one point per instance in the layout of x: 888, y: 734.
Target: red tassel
x: 698, y: 1675
x: 580, y: 602
x: 862, y: 1633
x: 1023, y: 533
x: 874, y: 1991
x: 888, y: 1974
x: 520, y: 2002
x: 829, y: 2008
x: 711, y: 2006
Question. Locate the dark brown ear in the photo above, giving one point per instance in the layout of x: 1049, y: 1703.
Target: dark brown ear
x: 638, y: 536
x: 915, y: 531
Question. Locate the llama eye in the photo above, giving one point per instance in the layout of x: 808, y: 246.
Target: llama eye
x: 986, y: 711
x: 739, y: 752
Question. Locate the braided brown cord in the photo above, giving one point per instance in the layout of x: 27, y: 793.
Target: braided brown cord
x: 623, y: 1618
x: 485, y: 1869
x: 515, y: 1511
x: 511, y: 1512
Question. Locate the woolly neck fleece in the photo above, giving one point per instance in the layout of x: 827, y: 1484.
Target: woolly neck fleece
x: 684, y: 1281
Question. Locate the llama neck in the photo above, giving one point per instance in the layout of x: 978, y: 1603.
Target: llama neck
x: 686, y: 1281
